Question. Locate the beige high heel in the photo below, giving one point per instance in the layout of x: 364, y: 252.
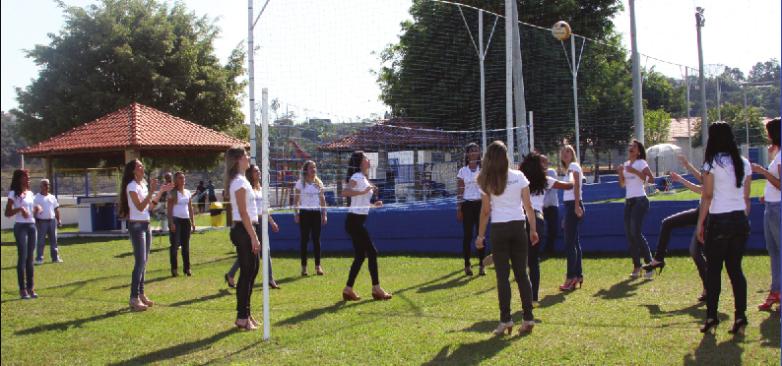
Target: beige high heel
x: 503, y: 328
x: 526, y: 327
x: 145, y: 300
x: 137, y: 305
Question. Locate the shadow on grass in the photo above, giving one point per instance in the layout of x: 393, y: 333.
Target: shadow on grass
x: 623, y: 289
x: 176, y: 351
x: 551, y: 300
x: 130, y: 254
x: 76, y: 323
x: 314, y: 313
x: 696, y: 311
x: 219, y: 294
x: 290, y: 279
x: 769, y: 331
x: 470, y: 353
x: 457, y: 281
x: 711, y: 353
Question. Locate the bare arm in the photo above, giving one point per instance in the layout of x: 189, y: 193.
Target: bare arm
x: 747, y: 189
x: 767, y: 174
x: 351, y: 191
x: 190, y: 211
x: 296, y: 201
x: 620, y: 173
x: 691, y: 186
x: 57, y: 215
x: 171, y: 201
x: 9, y: 208
x: 706, y: 197
x: 577, y: 193
x: 647, y: 176
x: 484, y: 220
x: 459, y: 193
x: 562, y: 185
x: 533, y: 233
x: 241, y: 203
x: 690, y: 168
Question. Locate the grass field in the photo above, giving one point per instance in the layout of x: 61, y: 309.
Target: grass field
x: 437, y: 316
x: 684, y: 194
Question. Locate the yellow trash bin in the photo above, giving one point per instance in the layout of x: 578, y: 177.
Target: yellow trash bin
x: 216, y: 213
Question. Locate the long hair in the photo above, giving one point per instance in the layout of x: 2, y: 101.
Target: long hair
x: 16, y: 181
x: 250, y: 174
x: 572, y: 152
x: 772, y: 127
x: 721, y: 141
x: 175, y: 191
x: 128, y: 175
x: 494, y: 169
x: 641, y: 149
x: 232, y: 157
x: 532, y: 167
x: 304, y: 169
x: 354, y: 165
x: 467, y: 149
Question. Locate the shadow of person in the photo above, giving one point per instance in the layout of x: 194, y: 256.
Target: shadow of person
x: 620, y: 290
x: 470, y: 353
x: 314, y: 313
x: 75, y: 323
x: 770, y: 331
x: 711, y: 353
x: 550, y: 300
x: 697, y: 311
x: 220, y: 293
x: 176, y: 351
x: 452, y: 283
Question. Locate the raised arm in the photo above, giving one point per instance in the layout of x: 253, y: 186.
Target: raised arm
x: 690, y: 168
x: 690, y: 185
x: 484, y: 220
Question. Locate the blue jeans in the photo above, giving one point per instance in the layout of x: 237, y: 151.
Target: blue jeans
x: 24, y: 233
x: 572, y: 241
x: 47, y: 228
x: 635, y: 211
x: 771, y: 232
x: 140, y: 237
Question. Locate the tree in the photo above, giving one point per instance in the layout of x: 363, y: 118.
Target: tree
x: 122, y: 51
x: 657, y: 124
x: 11, y: 141
x: 738, y: 118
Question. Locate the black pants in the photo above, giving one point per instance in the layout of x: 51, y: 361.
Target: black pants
x: 180, y: 237
x: 510, y: 251
x: 680, y: 219
x: 249, y: 263
x: 362, y: 247
x: 551, y: 217
x: 471, y: 215
x: 726, y: 239
x: 533, y: 257
x: 309, y: 227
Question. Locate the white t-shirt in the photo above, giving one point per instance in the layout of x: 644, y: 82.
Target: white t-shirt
x: 771, y: 193
x: 141, y: 191
x: 182, y: 205
x: 48, y: 204
x: 508, y: 206
x: 537, y: 199
x: 568, y: 194
x: 360, y: 204
x: 258, y: 201
x: 239, y: 182
x: 471, y: 190
x: 727, y: 198
x: 27, y: 200
x: 634, y: 186
x: 309, y: 194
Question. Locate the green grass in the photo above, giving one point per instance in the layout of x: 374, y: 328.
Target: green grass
x: 684, y: 194
x: 437, y: 316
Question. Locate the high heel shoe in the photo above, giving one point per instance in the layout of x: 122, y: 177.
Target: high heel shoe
x: 488, y: 260
x: 319, y: 271
x: 245, y: 324
x: 580, y: 280
x: 468, y: 270
x: 174, y: 272
x: 482, y: 271
x: 24, y: 295
x: 253, y: 321
x: 137, y: 305
x: 636, y: 272
x: 654, y: 264
x: 739, y: 326
x: 381, y: 295
x: 569, y: 285
x: 304, y: 272
x: 526, y: 327
x: 772, y: 298
x: 702, y: 297
x: 230, y: 281
x: 350, y: 296
x: 709, y: 325
x: 503, y: 328
x: 273, y: 284
x: 145, y: 300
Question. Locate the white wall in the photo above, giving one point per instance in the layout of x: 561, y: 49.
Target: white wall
x: 69, y: 213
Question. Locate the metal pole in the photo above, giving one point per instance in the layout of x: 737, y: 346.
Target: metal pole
x: 518, y: 88
x: 481, y: 57
x: 638, y: 112
x: 746, y: 119
x: 699, y: 22
x: 265, y: 220
x: 719, y: 91
x: 687, y: 107
x: 509, y: 77
x: 531, y: 132
x: 251, y: 72
x: 575, y: 95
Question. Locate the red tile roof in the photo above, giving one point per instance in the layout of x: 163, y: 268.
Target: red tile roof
x: 678, y: 128
x: 391, y: 135
x: 137, y: 127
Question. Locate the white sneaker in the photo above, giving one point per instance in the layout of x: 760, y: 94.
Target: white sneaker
x: 38, y: 261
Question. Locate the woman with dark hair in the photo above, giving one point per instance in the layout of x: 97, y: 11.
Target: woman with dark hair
x: 771, y: 215
x: 506, y: 197
x: 574, y: 213
x: 135, y: 206
x: 723, y: 224
x: 181, y: 223
x: 359, y: 192
x: 633, y: 176
x: 22, y: 207
x: 468, y: 204
x: 310, y: 213
x: 254, y: 177
x: 540, y: 183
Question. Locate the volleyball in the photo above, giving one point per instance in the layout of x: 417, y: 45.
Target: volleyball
x: 561, y: 30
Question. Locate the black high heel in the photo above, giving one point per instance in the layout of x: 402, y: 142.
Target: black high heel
x: 739, y: 326
x: 659, y: 266
x: 709, y: 325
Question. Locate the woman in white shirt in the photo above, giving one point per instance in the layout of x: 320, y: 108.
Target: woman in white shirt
x: 21, y: 206
x: 771, y: 216
x: 243, y: 234
x: 310, y: 213
x: 574, y: 213
x: 468, y: 204
x: 254, y: 177
x: 180, y: 223
x: 46, y: 223
x: 505, y: 197
x: 135, y: 206
x: 723, y: 224
x: 633, y: 176
x: 359, y: 192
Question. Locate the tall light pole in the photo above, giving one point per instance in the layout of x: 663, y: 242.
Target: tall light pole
x: 700, y: 21
x: 251, y: 72
x: 638, y: 111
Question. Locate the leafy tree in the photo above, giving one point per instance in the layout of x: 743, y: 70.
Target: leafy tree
x: 657, y: 124
x: 122, y: 51
x: 11, y: 141
x: 739, y: 119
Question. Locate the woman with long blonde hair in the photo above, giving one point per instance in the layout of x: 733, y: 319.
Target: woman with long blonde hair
x: 574, y: 213
x: 310, y: 213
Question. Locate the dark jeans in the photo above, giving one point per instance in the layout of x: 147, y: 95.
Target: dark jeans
x: 235, y: 266
x: 471, y: 215
x: 362, y: 248
x: 635, y: 211
x: 25, y: 236
x: 180, y: 237
x: 309, y: 227
x: 140, y: 238
x: 680, y: 219
x: 47, y: 228
x: 510, y: 251
x: 572, y: 241
x: 249, y: 263
x: 551, y: 217
x: 726, y: 240
x: 533, y: 258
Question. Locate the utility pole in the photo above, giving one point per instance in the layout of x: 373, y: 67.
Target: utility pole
x: 638, y: 111
x: 700, y: 21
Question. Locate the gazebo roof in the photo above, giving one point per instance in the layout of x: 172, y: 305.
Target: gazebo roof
x: 135, y: 127
x: 391, y: 135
